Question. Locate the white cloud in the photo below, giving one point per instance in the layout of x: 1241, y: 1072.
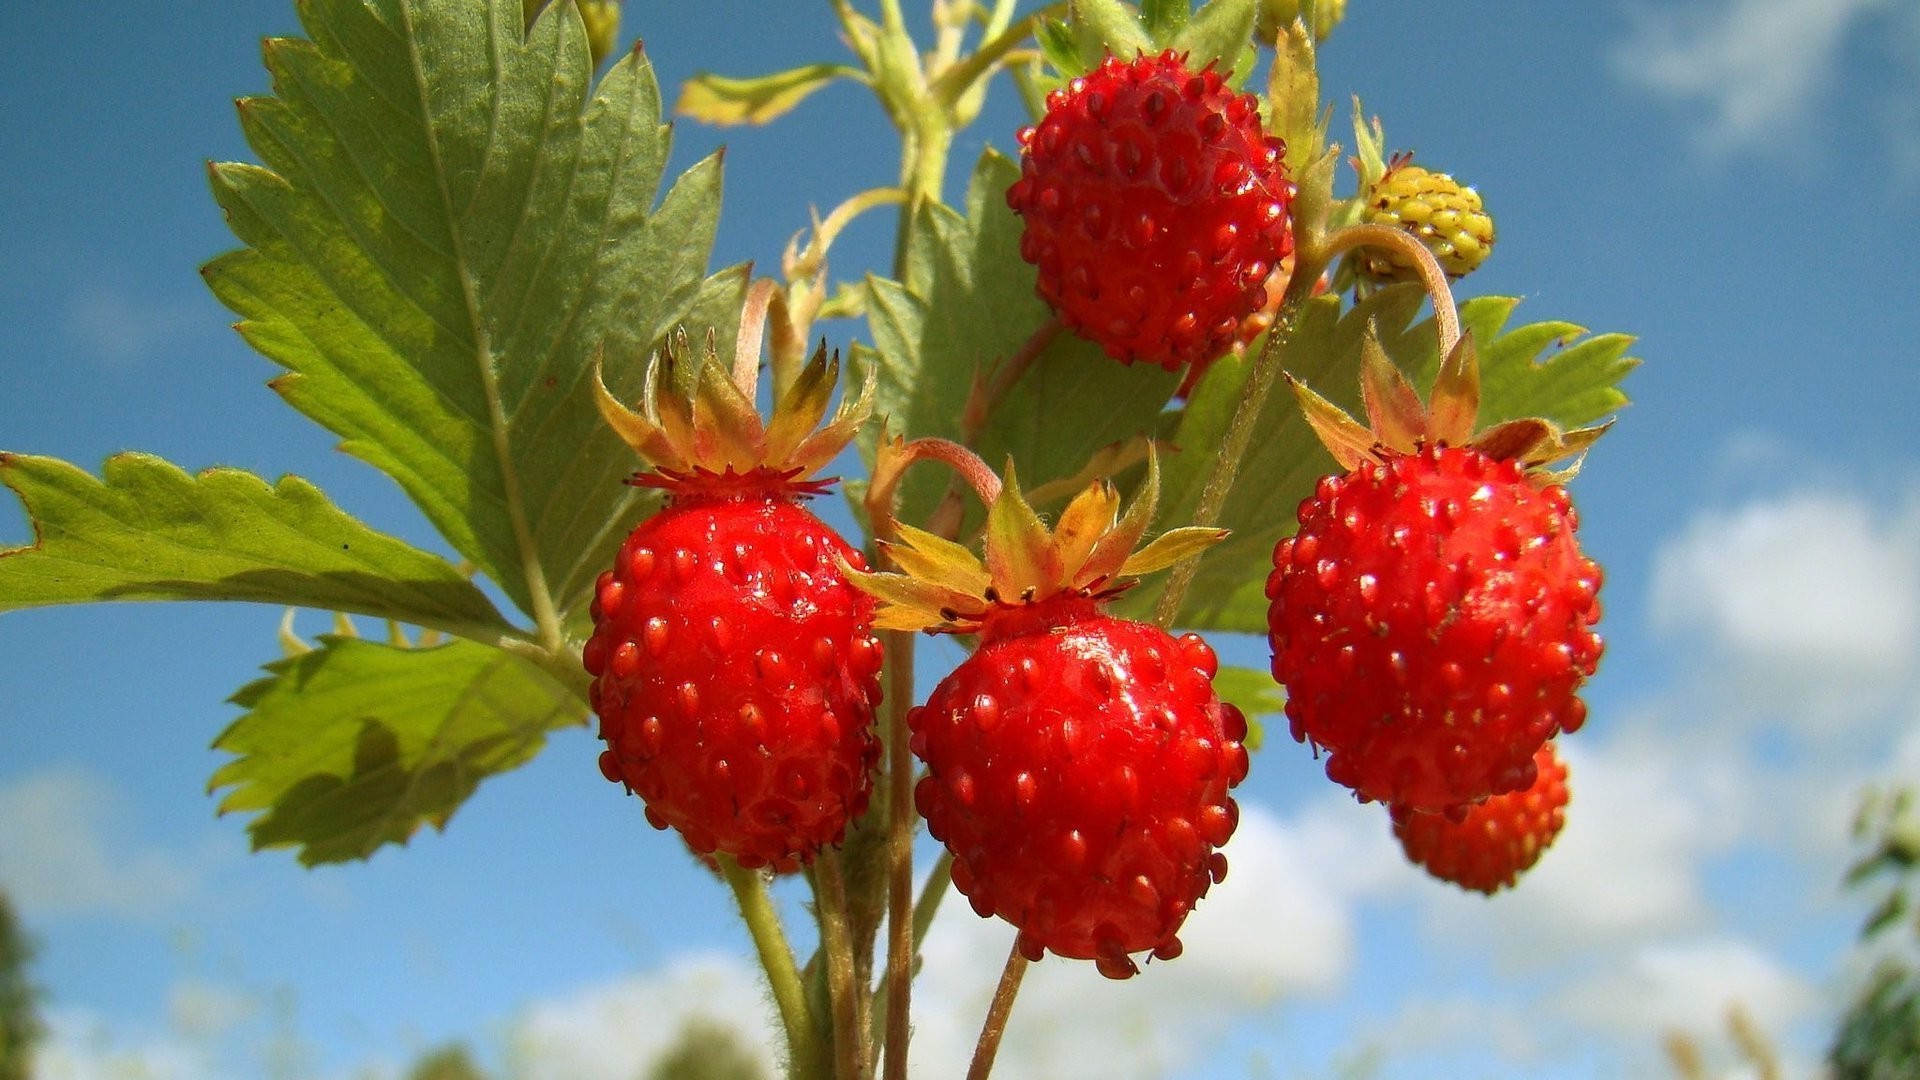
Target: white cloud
x: 61, y: 853
x: 1642, y: 824
x: 1689, y: 987
x: 1281, y: 924
x: 613, y: 1031
x: 1754, y: 66
x: 81, y: 1046
x: 1814, y: 596
x: 113, y: 324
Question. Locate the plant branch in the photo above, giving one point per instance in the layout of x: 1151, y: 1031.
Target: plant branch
x: 1239, y: 435
x: 776, y: 957
x: 850, y: 1032
x: 997, y: 1013
x: 900, y: 828
x: 955, y: 81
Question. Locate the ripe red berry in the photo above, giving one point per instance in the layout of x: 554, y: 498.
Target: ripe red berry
x: 1155, y: 208
x: 734, y: 667
x: 734, y: 674
x: 1432, y: 620
x: 1496, y: 841
x: 1078, y: 767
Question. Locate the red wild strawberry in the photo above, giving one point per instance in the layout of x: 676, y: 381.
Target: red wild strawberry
x: 735, y: 673
x: 1432, y: 618
x: 1155, y: 209
x: 1496, y: 841
x: 1077, y: 763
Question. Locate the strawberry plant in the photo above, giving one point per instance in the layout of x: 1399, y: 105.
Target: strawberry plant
x: 457, y: 245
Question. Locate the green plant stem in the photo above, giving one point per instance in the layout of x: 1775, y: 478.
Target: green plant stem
x: 900, y: 829
x: 997, y: 1013
x: 955, y: 81
x: 776, y: 957
x: 1233, y: 448
x: 850, y: 1032
x: 939, y: 883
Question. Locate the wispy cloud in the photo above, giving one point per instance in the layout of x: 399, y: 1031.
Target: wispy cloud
x: 121, y: 328
x: 64, y: 851
x: 615, y: 1030
x: 1752, y: 68
x: 1282, y: 925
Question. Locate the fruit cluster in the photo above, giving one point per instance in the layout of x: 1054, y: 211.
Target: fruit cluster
x: 1431, y: 619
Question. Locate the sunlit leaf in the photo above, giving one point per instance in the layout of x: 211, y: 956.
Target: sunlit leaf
x: 716, y: 99
x: 145, y: 530
x: 451, y: 218
x: 357, y: 744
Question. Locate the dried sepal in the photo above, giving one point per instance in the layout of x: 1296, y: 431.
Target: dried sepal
x: 1170, y: 547
x: 1393, y: 407
x: 1454, y: 406
x: 1518, y: 440
x: 1019, y: 547
x: 800, y: 410
x: 826, y: 442
x: 1345, y: 438
x: 1090, y: 516
x: 926, y: 555
x: 950, y: 589
x: 909, y: 603
x: 1113, y: 550
x: 645, y: 436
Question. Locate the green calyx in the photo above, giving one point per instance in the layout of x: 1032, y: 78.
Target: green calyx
x: 1092, y: 551
x: 717, y: 429
x: 1398, y: 422
x: 1219, y: 32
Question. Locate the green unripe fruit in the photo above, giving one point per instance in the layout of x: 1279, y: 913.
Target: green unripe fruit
x: 1444, y: 214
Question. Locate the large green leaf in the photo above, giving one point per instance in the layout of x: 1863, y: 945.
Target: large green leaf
x: 967, y: 303
x: 1576, y: 386
x: 450, y: 221
x: 357, y: 744
x: 148, y: 531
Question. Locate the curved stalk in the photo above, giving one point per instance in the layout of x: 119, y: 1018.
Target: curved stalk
x: 997, y: 1013
x: 1446, y: 318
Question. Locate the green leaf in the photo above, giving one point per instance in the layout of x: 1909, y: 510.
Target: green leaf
x: 1254, y: 693
x: 356, y: 744
x: 451, y: 220
x: 968, y: 303
x: 716, y: 99
x: 148, y: 531
x: 1575, y: 387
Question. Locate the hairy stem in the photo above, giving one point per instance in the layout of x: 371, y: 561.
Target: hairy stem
x: 836, y: 944
x: 1233, y: 448
x: 901, y: 824
x: 997, y: 1013
x: 1446, y: 318
x: 776, y: 957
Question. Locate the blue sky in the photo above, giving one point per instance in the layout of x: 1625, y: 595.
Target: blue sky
x: 1734, y: 181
